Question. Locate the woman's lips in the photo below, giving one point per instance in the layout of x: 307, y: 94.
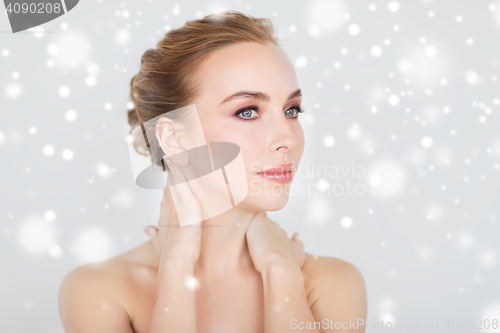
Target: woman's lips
x: 279, y: 174
x: 278, y: 177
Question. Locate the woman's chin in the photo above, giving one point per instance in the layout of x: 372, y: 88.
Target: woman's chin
x: 272, y: 202
x: 267, y: 196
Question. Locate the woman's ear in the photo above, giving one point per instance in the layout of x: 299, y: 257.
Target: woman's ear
x: 167, y: 134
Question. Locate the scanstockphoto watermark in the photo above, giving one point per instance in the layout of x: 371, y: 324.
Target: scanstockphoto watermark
x: 28, y: 14
x: 312, y: 179
x: 431, y: 324
x: 327, y: 324
x: 302, y: 188
x: 448, y: 324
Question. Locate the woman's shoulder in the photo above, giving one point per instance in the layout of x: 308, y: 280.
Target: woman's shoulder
x: 102, y: 277
x: 96, y: 275
x: 112, y: 275
x: 323, y: 265
x: 332, y: 277
x: 94, y: 291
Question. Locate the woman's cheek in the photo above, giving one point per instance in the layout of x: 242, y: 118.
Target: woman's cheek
x: 299, y: 134
x: 248, y: 141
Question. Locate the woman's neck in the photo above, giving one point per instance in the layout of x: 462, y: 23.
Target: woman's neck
x: 223, y: 243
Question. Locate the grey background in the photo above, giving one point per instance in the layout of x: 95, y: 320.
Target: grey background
x: 425, y: 238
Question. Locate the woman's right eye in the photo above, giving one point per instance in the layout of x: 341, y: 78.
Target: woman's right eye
x: 246, y: 114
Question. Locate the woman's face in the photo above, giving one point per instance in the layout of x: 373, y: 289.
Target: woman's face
x: 268, y: 132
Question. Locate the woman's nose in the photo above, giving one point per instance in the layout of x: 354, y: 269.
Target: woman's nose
x: 281, y: 131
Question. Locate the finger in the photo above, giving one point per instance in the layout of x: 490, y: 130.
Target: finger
x: 297, y: 239
x: 184, y: 192
x: 151, y: 232
x: 301, y: 243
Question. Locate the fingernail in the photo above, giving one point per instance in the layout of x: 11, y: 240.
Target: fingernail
x: 167, y: 159
x: 146, y: 230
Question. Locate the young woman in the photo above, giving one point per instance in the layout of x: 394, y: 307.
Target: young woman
x: 237, y: 271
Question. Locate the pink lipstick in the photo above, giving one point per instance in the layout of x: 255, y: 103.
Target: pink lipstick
x: 279, y: 174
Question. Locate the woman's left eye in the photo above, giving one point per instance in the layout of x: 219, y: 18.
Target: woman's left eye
x: 297, y: 109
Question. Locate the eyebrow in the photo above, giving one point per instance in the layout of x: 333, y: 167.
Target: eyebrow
x: 258, y: 95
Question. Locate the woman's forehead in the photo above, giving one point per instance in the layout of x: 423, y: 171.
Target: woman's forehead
x: 246, y: 67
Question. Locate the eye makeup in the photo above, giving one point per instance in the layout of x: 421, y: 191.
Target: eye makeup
x: 297, y: 108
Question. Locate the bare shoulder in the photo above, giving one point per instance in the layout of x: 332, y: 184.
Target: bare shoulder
x: 93, y: 297
x: 98, y: 276
x: 335, y: 289
x: 318, y: 268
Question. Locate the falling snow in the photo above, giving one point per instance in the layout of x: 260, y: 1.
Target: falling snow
x: 418, y: 109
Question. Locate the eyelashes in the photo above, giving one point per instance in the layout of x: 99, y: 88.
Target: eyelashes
x: 248, y: 109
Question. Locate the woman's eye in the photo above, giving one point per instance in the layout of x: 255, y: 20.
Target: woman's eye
x: 293, y: 114
x: 246, y: 113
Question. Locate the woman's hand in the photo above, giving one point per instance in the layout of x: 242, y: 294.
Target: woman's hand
x: 269, y: 244
x: 171, y: 241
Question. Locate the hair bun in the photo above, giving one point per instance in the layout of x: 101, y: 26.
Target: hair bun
x: 133, y: 118
x: 134, y: 121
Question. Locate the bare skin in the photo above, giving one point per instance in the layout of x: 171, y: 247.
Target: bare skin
x: 121, y: 293
x: 252, y: 277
